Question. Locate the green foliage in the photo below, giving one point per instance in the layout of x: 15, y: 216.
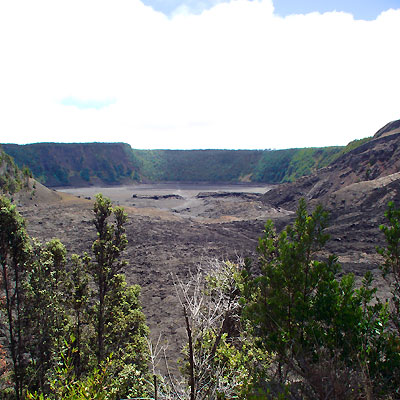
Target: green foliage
x: 391, y: 257
x: 307, y: 161
x: 45, y: 302
x: 196, y: 165
x: 119, y: 323
x: 219, y: 358
x: 85, y: 174
x: 58, y: 164
x: 67, y: 386
x: 14, y: 250
x: 78, y: 296
x: 270, y: 166
x: 291, y: 330
x: 351, y: 146
x: 63, y: 164
x: 45, y: 309
x: 331, y: 335
x: 288, y: 165
x: 391, y: 231
x: 12, y: 179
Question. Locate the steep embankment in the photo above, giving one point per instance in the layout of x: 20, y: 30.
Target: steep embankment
x: 373, y: 159
x: 388, y: 129
x: 19, y: 186
x: 60, y: 164
x: 269, y: 166
x: 355, y: 189
x: 76, y: 164
x: 12, y: 179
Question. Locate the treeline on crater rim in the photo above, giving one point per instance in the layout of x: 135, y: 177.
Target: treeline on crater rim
x: 73, y: 329
x: 79, y: 164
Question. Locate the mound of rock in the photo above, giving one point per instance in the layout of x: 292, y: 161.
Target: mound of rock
x: 158, y: 197
x: 221, y: 195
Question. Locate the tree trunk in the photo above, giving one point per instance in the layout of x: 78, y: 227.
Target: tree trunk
x: 191, y: 357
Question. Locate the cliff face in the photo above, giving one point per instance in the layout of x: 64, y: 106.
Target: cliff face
x: 85, y: 164
x: 76, y: 164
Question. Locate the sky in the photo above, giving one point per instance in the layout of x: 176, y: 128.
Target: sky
x: 198, y: 74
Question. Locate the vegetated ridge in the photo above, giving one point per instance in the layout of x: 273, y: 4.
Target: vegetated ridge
x: 76, y: 164
x: 12, y: 178
x: 84, y: 164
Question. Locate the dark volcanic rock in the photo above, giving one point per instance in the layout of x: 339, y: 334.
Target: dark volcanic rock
x: 158, y: 197
x: 372, y: 160
x: 160, y: 247
x: 355, y: 189
x: 388, y: 129
x: 218, y: 195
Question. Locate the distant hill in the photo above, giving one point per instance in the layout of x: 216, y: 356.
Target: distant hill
x: 76, y: 164
x: 82, y: 164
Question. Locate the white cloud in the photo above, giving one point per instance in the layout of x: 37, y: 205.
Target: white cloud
x: 236, y: 76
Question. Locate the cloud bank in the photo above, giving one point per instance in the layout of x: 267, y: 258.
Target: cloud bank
x: 235, y: 76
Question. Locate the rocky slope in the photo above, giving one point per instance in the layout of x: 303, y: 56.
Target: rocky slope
x: 378, y: 158
x: 388, y: 129
x: 355, y: 189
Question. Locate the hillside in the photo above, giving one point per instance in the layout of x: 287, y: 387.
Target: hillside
x: 356, y: 189
x: 83, y: 164
x: 76, y: 164
x: 376, y: 158
x: 388, y: 129
x: 12, y: 178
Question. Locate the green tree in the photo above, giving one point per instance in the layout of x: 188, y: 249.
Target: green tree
x: 107, y: 248
x: 125, y: 338
x: 78, y: 300
x: 13, y: 257
x: 4, y: 369
x: 119, y: 322
x: 391, y: 257
x: 45, y: 310
x: 65, y: 385
x: 328, y: 339
x: 43, y: 303
x: 218, y: 357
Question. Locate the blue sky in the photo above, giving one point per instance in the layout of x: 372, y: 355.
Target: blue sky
x: 83, y: 104
x: 360, y: 9
x: 237, y: 74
